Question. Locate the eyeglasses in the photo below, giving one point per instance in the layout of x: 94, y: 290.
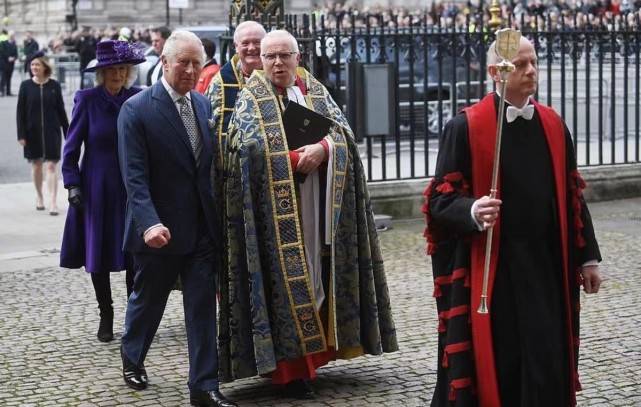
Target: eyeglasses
x: 283, y: 56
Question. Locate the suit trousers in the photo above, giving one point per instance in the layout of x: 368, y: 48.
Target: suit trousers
x: 5, y: 82
x: 154, y: 279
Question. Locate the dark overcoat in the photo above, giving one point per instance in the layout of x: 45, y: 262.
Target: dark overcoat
x: 40, y: 115
x: 93, y: 234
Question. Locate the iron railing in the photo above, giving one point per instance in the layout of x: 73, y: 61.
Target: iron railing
x: 589, y: 72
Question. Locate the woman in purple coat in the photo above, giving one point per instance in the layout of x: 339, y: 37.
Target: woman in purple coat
x: 95, y: 222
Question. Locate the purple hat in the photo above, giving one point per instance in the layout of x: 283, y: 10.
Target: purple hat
x: 111, y: 52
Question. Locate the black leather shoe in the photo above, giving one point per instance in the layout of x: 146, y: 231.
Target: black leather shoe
x: 135, y: 376
x: 300, y: 389
x: 106, y: 326
x: 211, y: 398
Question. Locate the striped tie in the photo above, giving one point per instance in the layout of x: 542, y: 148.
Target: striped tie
x: 189, y: 121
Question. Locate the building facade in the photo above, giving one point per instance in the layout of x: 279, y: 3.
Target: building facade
x: 51, y: 17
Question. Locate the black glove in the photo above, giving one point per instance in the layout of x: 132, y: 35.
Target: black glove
x: 75, y: 197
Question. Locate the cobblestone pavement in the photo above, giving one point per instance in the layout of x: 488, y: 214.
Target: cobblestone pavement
x: 49, y: 355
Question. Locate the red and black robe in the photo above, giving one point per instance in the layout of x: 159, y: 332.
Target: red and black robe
x: 524, y: 352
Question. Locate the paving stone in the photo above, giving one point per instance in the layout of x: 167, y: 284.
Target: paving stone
x: 49, y: 354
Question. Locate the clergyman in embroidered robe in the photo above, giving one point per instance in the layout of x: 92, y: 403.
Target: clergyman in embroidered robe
x: 305, y: 279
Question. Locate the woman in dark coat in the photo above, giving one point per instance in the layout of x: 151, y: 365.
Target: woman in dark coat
x: 94, y: 228
x: 40, y: 117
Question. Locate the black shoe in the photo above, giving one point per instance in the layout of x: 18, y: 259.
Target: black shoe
x: 135, y: 376
x: 106, y: 326
x: 211, y: 398
x: 300, y: 389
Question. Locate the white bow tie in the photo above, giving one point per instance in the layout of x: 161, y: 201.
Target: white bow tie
x: 513, y: 112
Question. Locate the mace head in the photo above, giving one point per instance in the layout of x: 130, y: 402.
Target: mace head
x: 508, y: 41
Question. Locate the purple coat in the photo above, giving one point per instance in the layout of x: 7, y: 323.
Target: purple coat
x: 93, y: 235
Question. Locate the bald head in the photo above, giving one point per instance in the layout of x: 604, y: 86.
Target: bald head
x: 492, y: 56
x: 248, y: 26
x: 279, y: 36
x: 521, y: 83
x: 279, y: 52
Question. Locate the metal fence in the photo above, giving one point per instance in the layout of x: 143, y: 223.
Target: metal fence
x: 589, y: 72
x: 66, y: 68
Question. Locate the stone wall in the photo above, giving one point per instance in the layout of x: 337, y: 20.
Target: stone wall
x: 403, y: 199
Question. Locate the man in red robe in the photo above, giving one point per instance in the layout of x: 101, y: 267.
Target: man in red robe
x: 525, y: 351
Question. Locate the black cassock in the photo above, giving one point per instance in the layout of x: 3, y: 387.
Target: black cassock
x: 528, y: 318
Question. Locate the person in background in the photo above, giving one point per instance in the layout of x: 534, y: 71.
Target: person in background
x: 124, y: 34
x: 9, y: 55
x: 29, y: 47
x: 158, y: 37
x: 95, y: 223
x: 222, y: 92
x: 85, y: 46
x: 230, y: 80
x: 40, y: 116
x: 3, y: 58
x: 211, y: 67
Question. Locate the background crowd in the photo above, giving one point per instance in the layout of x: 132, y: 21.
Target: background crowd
x: 539, y: 14
x: 20, y: 47
x: 609, y: 13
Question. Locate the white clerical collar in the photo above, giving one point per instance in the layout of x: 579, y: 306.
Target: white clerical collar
x: 172, y: 93
x: 294, y: 94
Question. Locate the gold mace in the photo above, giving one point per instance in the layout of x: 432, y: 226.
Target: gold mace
x: 495, y: 13
x: 507, y: 47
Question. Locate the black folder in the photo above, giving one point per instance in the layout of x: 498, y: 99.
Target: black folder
x: 304, y: 126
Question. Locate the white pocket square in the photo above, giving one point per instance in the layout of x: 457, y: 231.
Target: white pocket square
x: 211, y: 123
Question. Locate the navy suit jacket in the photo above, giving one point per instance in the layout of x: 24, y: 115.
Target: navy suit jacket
x: 164, y: 184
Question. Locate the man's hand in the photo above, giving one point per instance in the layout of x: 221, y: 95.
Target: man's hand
x: 157, y: 237
x: 591, y: 278
x: 486, y: 210
x: 22, y: 142
x: 311, y: 156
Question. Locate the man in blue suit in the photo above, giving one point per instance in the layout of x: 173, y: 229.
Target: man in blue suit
x: 165, y: 156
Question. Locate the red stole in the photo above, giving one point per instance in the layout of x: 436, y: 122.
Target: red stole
x: 482, y: 122
x: 298, y: 82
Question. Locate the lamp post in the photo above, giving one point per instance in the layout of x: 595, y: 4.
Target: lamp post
x: 74, y: 13
x: 167, y: 13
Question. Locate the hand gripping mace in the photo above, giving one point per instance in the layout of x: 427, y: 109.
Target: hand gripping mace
x: 506, y: 48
